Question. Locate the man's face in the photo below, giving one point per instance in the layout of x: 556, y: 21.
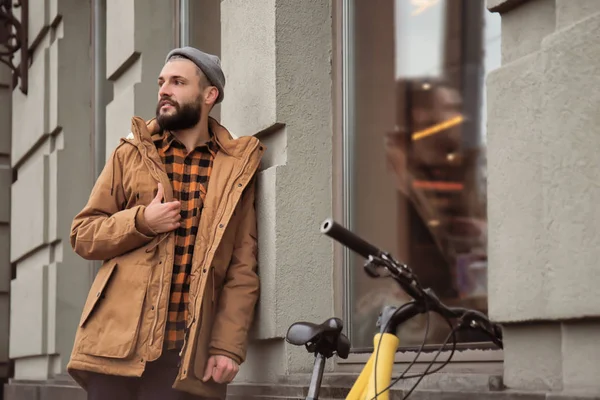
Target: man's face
x: 180, y: 95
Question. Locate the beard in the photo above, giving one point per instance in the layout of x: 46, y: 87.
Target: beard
x: 185, y: 116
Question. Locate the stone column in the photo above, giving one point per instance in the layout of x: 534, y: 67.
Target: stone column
x: 276, y: 56
x: 139, y: 35
x: 543, y: 190
x: 52, y: 177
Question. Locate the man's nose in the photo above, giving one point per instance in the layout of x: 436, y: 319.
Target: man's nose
x: 164, y: 91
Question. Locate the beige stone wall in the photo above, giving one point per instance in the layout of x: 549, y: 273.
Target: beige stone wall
x: 50, y: 153
x: 277, y: 56
x: 542, y: 122
x: 139, y: 33
x: 543, y: 172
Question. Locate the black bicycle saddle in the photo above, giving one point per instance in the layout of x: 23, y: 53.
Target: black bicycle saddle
x: 326, y: 338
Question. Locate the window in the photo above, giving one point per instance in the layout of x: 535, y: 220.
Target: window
x: 415, y: 152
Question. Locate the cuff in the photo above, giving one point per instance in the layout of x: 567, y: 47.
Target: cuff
x: 141, y: 225
x: 214, y: 352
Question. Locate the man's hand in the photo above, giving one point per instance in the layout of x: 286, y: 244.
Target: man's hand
x: 162, y: 217
x: 221, y: 368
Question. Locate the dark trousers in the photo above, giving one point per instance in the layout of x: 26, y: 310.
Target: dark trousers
x: 154, y: 384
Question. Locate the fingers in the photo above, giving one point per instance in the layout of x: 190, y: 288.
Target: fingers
x: 231, y: 373
x: 174, y: 219
x: 164, y: 217
x: 171, y: 209
x: 210, y: 365
x: 175, y: 216
x: 171, y: 215
x: 159, y: 194
x: 225, y: 370
x: 173, y: 205
x: 221, y: 369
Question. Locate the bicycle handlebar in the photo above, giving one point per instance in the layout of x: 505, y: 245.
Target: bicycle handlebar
x: 403, y: 275
x: 349, y: 239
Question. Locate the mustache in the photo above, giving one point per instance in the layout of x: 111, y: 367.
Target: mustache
x: 162, y: 102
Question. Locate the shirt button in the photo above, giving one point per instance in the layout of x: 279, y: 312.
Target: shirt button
x: 152, y: 308
x: 239, y: 185
x: 221, y: 225
x: 98, y: 294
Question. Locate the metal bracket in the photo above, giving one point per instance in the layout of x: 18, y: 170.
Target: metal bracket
x: 14, y: 38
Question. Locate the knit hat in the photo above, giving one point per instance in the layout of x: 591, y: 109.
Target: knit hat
x: 208, y: 63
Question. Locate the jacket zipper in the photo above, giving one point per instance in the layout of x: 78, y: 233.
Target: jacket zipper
x: 185, y: 337
x: 160, y: 290
x: 187, y: 329
x: 205, y: 254
x: 220, y: 216
x: 154, y: 172
x: 152, y: 167
x: 213, y: 283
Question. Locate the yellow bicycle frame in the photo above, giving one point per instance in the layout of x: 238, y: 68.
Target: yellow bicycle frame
x: 364, y: 387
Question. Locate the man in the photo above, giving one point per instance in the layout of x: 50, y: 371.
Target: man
x: 172, y: 216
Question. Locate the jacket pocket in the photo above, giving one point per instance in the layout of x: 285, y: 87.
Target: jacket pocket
x: 111, y: 319
x: 97, y: 291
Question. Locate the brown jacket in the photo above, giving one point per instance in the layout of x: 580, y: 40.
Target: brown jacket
x: 123, y: 321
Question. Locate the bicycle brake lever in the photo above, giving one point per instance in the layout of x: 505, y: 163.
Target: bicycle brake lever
x: 486, y: 326
x: 370, y: 268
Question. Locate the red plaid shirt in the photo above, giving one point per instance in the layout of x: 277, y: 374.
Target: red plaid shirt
x: 189, y: 175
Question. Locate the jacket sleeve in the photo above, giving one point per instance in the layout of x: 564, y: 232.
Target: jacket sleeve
x: 240, y: 292
x: 103, y: 229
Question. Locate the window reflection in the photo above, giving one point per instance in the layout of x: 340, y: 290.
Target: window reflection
x: 419, y: 157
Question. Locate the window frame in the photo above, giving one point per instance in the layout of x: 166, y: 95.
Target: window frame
x: 482, y: 353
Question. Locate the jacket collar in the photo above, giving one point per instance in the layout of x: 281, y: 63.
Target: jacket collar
x: 167, y: 139
x: 143, y: 132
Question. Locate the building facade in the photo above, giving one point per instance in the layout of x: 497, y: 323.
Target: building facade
x: 457, y: 134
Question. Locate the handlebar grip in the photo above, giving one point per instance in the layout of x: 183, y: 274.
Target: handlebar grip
x: 349, y: 239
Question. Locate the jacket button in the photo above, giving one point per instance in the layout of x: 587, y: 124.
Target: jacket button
x: 204, y: 270
x: 98, y: 294
x: 221, y: 225
x: 152, y: 308
x: 239, y: 185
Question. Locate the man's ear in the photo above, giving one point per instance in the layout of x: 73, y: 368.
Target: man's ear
x: 212, y: 96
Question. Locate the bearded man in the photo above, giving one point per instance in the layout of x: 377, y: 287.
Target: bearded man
x: 172, y: 217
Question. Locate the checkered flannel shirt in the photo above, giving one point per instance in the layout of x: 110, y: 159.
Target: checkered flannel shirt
x: 189, y: 175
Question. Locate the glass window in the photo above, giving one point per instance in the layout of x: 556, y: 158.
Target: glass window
x: 415, y: 152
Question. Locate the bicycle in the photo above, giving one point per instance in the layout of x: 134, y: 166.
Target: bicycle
x: 375, y: 380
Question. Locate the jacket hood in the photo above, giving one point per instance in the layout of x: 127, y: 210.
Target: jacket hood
x: 143, y: 132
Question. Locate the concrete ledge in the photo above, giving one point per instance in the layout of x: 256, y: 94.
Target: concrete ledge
x: 288, y: 389
x: 502, y: 6
x: 42, y: 391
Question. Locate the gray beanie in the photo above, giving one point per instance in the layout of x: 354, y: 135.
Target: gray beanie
x: 208, y: 63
